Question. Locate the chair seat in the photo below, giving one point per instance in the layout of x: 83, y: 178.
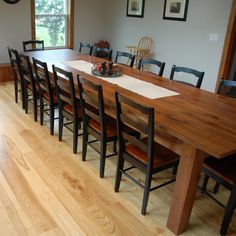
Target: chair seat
x: 225, y: 167
x: 111, y: 130
x: 68, y: 109
x: 162, y: 156
x: 55, y: 97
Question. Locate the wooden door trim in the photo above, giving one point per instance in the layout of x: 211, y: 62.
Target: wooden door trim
x: 229, y: 46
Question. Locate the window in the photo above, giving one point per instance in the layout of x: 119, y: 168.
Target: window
x: 52, y: 22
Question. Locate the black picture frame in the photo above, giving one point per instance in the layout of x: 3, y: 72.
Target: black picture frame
x: 135, y: 8
x: 175, y: 10
x: 11, y: 1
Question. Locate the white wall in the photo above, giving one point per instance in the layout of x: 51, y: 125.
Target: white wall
x: 90, y: 18
x: 15, y: 26
x: 181, y: 43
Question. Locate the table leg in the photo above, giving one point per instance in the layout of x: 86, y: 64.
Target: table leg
x: 186, y: 185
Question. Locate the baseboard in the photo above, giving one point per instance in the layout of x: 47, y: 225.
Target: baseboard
x: 5, y: 72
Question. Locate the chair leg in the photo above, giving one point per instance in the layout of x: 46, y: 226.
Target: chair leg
x: 120, y: 166
x: 146, y: 193
x: 85, y: 141
x: 25, y: 100
x: 60, y: 123
x: 114, y: 147
x: 103, y: 148
x: 41, y: 110
x: 204, y: 184
x: 51, y: 119
x: 75, y: 136
x: 228, y: 212
x: 16, y: 90
x: 35, y: 107
x: 216, y: 188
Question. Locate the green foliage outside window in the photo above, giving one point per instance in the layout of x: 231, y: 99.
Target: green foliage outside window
x: 50, y: 17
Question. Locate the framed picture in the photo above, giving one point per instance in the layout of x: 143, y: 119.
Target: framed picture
x: 135, y: 8
x: 175, y: 10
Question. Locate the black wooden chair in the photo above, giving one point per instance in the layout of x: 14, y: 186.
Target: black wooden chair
x: 125, y: 58
x: 29, y: 83
x: 33, y: 45
x: 143, y: 154
x: 68, y: 104
x: 95, y: 121
x: 222, y: 171
x: 152, y: 62
x: 17, y: 75
x: 105, y: 53
x: 227, y: 88
x: 85, y: 48
x: 47, y: 92
x: 199, y: 75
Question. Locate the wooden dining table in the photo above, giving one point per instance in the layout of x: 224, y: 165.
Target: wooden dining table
x: 194, y: 124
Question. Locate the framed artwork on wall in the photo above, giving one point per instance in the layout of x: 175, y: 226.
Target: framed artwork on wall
x: 175, y: 10
x: 135, y: 8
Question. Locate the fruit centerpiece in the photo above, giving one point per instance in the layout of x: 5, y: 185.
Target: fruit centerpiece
x: 106, y: 69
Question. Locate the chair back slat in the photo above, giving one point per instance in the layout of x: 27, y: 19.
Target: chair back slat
x: 120, y: 56
x: 85, y: 48
x: 227, y: 88
x: 145, y: 126
x: 43, y: 78
x: 149, y: 62
x: 92, y: 103
x: 135, y: 122
x: 196, y: 73
x: 65, y: 91
x: 26, y: 70
x: 33, y: 45
x: 103, y: 53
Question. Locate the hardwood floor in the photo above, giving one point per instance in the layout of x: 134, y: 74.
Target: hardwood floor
x: 47, y: 190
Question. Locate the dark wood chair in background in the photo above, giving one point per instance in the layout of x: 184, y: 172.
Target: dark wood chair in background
x: 199, y: 75
x: 29, y: 83
x: 85, y: 48
x: 47, y: 92
x: 96, y: 122
x: 33, y: 45
x: 143, y: 154
x: 68, y: 104
x: 105, y: 53
x: 125, y: 58
x: 17, y: 75
x: 222, y: 171
x: 152, y: 62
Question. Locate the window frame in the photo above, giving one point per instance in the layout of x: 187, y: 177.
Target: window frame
x: 69, y: 28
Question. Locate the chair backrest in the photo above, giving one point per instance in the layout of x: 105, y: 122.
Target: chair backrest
x: 85, y: 48
x: 103, y: 53
x: 226, y: 86
x: 33, y: 45
x: 27, y: 72
x: 121, y: 56
x: 147, y: 61
x: 147, y: 43
x: 15, y: 63
x: 65, y: 91
x: 42, y: 76
x: 196, y: 73
x: 139, y: 117
x: 92, y: 102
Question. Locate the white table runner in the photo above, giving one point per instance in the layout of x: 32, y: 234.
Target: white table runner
x: 143, y: 88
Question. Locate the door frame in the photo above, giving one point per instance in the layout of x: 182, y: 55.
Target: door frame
x: 229, y: 47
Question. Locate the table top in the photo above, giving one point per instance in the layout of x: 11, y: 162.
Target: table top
x: 197, y: 117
